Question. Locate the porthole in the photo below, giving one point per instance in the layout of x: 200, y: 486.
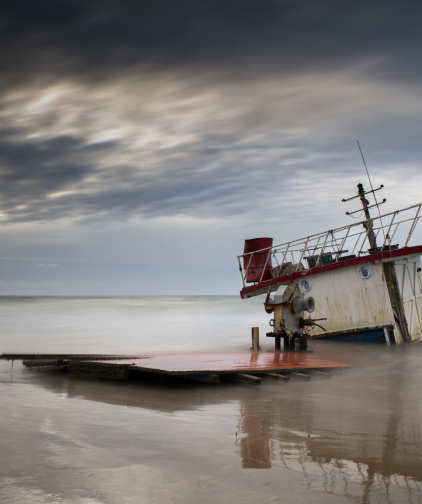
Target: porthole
x: 305, y: 286
x: 365, y: 272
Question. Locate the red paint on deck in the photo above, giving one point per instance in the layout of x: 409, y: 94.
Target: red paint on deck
x: 231, y: 363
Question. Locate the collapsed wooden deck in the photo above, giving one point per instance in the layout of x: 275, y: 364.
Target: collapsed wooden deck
x: 205, y: 367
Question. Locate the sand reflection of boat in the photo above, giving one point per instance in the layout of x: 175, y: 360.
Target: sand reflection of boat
x: 356, y: 278
x: 365, y: 446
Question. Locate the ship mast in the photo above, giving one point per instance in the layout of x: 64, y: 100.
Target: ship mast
x: 388, y: 266
x: 368, y: 224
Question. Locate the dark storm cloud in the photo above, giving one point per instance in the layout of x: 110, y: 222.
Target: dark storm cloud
x: 44, y: 180
x: 259, y: 68
x: 98, y: 37
x: 241, y: 159
x: 41, y: 167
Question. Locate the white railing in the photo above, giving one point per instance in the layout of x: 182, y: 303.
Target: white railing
x: 338, y: 244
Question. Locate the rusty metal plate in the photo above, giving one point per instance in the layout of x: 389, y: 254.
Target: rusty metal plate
x: 232, y: 363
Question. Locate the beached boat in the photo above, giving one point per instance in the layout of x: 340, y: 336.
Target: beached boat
x: 360, y: 282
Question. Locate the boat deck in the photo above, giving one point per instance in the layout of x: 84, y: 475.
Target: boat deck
x: 262, y: 287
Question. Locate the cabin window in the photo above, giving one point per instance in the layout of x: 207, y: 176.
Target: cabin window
x: 305, y: 286
x: 365, y: 272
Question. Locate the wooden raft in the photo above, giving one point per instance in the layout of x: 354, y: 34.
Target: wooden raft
x: 205, y: 367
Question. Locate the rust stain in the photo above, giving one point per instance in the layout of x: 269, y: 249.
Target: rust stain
x: 232, y: 362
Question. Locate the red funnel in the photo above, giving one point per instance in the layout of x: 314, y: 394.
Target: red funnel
x: 258, y: 266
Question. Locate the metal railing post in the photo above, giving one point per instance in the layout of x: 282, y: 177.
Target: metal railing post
x: 249, y: 263
x: 412, y: 228
x: 344, y: 240
x: 266, y: 262
x: 323, y: 247
x: 387, y: 235
x: 240, y: 269
x: 303, y: 253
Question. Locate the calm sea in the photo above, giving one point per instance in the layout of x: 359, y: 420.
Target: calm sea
x: 354, y: 437
x: 128, y: 324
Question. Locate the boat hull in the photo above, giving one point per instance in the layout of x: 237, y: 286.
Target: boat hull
x: 378, y: 336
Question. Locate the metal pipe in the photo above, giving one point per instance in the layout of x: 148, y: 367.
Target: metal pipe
x: 302, y: 254
x: 265, y: 265
x: 413, y: 226
x: 240, y: 269
x: 392, y: 236
x: 388, y: 231
x: 344, y: 239
x: 321, y: 241
x: 323, y: 247
x: 249, y: 262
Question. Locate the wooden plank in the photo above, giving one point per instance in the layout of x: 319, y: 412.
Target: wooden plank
x: 204, y: 378
x: 278, y: 376
x: 255, y: 339
x: 305, y: 376
x: 248, y: 378
x: 323, y: 373
x: 99, y: 370
x: 45, y: 362
x: 75, y: 357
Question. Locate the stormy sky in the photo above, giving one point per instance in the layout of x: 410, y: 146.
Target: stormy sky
x: 142, y: 142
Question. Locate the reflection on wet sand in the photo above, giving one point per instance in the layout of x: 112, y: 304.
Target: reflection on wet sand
x: 356, y: 435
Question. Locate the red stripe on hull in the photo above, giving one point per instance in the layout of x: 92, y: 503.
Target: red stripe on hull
x: 372, y: 258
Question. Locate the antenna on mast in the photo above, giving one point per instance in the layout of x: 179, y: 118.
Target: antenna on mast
x: 368, y: 225
x: 365, y: 204
x: 372, y: 189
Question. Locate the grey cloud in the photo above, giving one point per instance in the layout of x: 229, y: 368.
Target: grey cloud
x: 267, y: 66
x: 30, y: 171
x: 96, y: 38
x: 255, y: 163
x: 39, y: 167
